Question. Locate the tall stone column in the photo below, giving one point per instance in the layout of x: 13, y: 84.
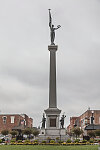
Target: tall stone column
x: 52, y: 113
x: 52, y: 77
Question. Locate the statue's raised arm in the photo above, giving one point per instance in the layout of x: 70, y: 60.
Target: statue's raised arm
x: 50, y: 19
x: 58, y: 27
x: 52, y: 29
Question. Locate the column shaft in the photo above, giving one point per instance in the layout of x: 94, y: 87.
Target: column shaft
x: 52, y: 78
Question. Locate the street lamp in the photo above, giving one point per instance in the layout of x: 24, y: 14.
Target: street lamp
x: 92, y: 118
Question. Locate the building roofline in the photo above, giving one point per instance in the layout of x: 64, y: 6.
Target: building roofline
x: 89, y: 110
x: 84, y: 113
x: 12, y: 114
x: 15, y: 115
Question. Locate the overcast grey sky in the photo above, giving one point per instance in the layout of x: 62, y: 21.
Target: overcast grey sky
x: 24, y: 56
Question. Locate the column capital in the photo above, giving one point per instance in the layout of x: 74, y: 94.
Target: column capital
x: 52, y: 47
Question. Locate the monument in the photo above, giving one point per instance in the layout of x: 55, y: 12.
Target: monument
x: 52, y: 125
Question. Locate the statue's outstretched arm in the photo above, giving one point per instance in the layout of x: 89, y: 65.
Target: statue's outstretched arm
x: 57, y: 27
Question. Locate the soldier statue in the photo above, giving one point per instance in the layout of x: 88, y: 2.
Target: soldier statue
x: 43, y: 121
x: 62, y: 121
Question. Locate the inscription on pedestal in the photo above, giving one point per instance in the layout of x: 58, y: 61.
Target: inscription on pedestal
x: 53, y: 122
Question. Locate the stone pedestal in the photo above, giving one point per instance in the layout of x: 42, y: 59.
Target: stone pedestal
x: 52, y: 118
x: 52, y: 129
x: 53, y: 134
x: 42, y: 131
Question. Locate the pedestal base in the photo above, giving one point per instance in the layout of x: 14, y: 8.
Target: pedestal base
x: 53, y: 134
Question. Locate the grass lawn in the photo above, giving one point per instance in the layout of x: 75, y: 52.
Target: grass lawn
x: 40, y: 147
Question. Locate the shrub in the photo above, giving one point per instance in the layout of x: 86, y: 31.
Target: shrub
x: 77, y: 140
x: 19, y: 141
x: 35, y: 132
x: 84, y: 141
x: 4, y: 132
x: 77, y: 131
x: 68, y: 141
x: 27, y: 141
x: 0, y: 141
x: 35, y: 140
x: 44, y: 142
x: 13, y: 133
x: 52, y: 141
x: 91, y: 141
x: 13, y: 140
x: 91, y: 134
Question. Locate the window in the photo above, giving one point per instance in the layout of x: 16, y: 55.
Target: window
x: 4, y: 119
x: 12, y: 119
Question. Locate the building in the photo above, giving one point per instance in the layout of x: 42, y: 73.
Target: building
x: 15, y: 121
x: 73, y: 122
x: 89, y: 117
x: 87, y: 121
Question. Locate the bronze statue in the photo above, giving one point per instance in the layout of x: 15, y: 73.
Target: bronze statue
x: 62, y: 121
x: 52, y: 29
x: 43, y: 121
